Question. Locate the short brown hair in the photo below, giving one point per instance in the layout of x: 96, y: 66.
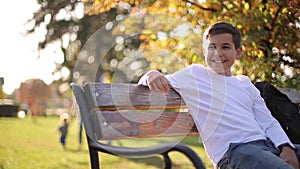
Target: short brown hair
x: 224, y: 27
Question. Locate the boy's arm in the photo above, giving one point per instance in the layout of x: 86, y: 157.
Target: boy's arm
x: 274, y: 131
x: 268, y: 123
x: 156, y: 81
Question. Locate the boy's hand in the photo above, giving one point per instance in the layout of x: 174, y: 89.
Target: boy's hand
x: 288, y: 155
x: 158, y: 82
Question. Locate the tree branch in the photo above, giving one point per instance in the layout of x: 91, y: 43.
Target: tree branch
x: 200, y: 6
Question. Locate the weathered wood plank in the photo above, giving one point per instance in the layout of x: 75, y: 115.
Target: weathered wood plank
x: 129, y: 96
x: 125, y: 110
x: 136, y: 124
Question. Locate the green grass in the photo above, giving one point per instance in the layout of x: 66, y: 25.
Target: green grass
x: 25, y: 144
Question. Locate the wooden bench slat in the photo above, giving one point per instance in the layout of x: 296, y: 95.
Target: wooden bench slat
x: 133, y: 124
x: 130, y: 96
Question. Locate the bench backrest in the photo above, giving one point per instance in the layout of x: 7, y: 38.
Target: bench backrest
x: 121, y: 111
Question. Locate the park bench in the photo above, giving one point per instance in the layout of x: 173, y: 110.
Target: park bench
x: 131, y: 111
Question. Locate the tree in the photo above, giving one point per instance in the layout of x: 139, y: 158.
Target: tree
x: 65, y: 26
x: 35, y: 93
x: 270, y: 32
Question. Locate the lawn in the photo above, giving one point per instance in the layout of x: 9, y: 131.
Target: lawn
x: 25, y: 144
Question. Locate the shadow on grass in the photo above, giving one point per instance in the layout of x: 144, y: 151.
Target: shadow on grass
x: 158, y: 162
x: 81, y: 163
x: 155, y: 161
x: 75, y: 150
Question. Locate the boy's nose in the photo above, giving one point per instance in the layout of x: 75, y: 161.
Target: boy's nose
x: 218, y: 52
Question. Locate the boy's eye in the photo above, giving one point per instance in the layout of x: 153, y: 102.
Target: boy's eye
x: 226, y: 47
x: 211, y: 47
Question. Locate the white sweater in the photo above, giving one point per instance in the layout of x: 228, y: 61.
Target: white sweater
x: 226, y: 109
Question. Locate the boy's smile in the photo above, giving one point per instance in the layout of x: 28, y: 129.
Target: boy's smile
x: 220, y: 53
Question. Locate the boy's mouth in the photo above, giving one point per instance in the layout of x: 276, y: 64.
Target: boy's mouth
x: 218, y: 61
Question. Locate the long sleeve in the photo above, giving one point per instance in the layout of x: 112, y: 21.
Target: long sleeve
x: 267, y: 122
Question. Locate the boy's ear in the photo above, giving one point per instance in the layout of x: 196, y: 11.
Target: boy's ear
x: 239, y: 52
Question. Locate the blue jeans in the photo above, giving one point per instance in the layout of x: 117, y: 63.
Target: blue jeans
x: 63, y: 140
x: 260, y: 154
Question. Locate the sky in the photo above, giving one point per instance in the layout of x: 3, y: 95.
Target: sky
x: 18, y: 62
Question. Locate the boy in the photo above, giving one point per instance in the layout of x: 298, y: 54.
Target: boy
x: 63, y: 129
x: 237, y: 129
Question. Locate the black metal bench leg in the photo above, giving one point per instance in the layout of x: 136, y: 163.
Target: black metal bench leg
x: 167, y: 159
x: 94, y: 158
x: 195, y: 159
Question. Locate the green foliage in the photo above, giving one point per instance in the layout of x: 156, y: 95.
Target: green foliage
x: 271, y: 39
x: 270, y: 32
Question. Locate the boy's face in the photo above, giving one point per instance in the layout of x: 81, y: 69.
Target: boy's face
x: 220, y: 53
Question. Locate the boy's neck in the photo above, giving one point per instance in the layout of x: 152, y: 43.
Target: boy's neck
x: 228, y: 73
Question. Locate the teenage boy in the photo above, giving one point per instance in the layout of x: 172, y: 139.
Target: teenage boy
x: 236, y: 128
